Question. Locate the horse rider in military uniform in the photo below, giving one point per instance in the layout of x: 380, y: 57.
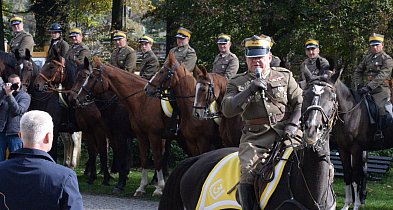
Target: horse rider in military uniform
x: 150, y: 64
x: 22, y: 40
x: 78, y: 51
x: 377, y: 65
x: 276, y: 61
x: 269, y: 100
x: 312, y: 52
x: 124, y: 56
x: 184, y: 53
x: 56, y: 43
x: 226, y: 63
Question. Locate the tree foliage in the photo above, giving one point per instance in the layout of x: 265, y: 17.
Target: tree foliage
x: 342, y: 27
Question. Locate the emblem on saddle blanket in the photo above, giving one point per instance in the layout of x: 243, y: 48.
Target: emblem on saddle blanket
x: 213, y: 110
x: 216, y: 191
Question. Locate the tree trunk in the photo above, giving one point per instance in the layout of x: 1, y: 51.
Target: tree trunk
x: 2, y: 28
x: 117, y: 15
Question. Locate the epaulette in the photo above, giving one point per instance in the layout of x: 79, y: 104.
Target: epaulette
x: 238, y: 75
x: 190, y: 48
x: 130, y: 49
x: 281, y: 69
x: 232, y: 54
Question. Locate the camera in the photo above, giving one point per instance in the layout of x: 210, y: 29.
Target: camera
x: 14, y: 86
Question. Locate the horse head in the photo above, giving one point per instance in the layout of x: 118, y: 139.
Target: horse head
x: 166, y: 78
x: 89, y: 82
x: 7, y: 65
x: 320, y: 107
x: 210, y: 88
x: 52, y: 74
x: 27, y: 69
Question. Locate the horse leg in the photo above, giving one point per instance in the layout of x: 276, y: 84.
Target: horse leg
x: 103, y: 152
x: 157, y: 149
x: 347, y: 168
x: 143, y: 152
x: 121, y: 162
x: 64, y: 137
x: 91, y: 162
x: 358, y: 175
x: 76, y: 151
x: 53, y: 150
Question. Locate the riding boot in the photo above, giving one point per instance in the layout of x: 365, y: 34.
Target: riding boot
x: 378, y: 136
x: 247, y: 197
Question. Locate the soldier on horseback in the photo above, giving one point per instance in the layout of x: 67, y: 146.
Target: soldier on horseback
x: 377, y: 65
x: 56, y: 43
x: 124, y: 56
x: 78, y: 51
x: 226, y: 63
x: 150, y: 64
x: 22, y: 40
x: 184, y: 53
x: 269, y: 101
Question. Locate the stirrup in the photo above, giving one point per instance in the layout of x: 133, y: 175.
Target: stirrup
x: 379, y: 138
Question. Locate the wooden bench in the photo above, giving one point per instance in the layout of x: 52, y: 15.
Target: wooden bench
x: 377, y: 166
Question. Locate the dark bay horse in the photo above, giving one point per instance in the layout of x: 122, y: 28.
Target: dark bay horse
x: 210, y: 89
x: 55, y: 78
x: 354, y: 136
x: 7, y: 65
x: 145, y: 114
x: 200, y: 136
x: 115, y: 115
x: 306, y: 181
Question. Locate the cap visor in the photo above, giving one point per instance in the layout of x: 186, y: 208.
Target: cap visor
x: 181, y: 36
x: 373, y: 43
x: 259, y: 52
x: 222, y: 41
x: 311, y: 46
x: 15, y: 22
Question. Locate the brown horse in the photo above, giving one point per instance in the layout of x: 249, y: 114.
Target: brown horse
x: 200, y: 136
x: 145, y: 113
x: 115, y: 117
x: 58, y: 76
x: 210, y: 90
x: 7, y: 65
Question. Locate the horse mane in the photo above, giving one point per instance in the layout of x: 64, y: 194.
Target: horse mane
x: 72, y: 70
x: 8, y: 59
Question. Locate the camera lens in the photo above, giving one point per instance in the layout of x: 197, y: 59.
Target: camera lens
x: 14, y: 86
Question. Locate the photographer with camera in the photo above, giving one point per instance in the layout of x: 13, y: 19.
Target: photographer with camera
x: 14, y: 102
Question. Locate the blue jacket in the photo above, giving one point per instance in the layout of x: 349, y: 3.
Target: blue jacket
x: 30, y: 179
x: 11, y: 110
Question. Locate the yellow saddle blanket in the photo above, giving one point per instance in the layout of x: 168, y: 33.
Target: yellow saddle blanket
x: 216, y: 191
x: 166, y: 106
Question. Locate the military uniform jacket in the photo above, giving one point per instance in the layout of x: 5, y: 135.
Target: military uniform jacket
x: 282, y: 97
x: 378, y: 67
x: 31, y: 179
x: 60, y: 45
x: 312, y: 67
x: 78, y: 52
x: 150, y: 65
x: 124, y: 58
x: 186, y: 55
x: 20, y: 42
x: 226, y: 65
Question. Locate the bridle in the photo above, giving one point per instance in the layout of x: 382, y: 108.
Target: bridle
x: 159, y: 90
x: 59, y: 72
x: 210, y: 98
x: 327, y: 121
x: 89, y: 98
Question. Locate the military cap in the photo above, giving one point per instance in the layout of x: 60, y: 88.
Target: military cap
x: 15, y: 20
x: 375, y: 39
x: 146, y: 38
x: 311, y: 43
x: 268, y: 38
x: 183, y: 33
x: 223, y: 39
x: 256, y: 47
x: 75, y: 32
x: 119, y: 35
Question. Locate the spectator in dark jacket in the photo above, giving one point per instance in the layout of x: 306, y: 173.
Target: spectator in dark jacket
x: 14, y: 102
x: 30, y: 178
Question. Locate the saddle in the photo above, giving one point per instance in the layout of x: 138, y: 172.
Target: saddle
x: 372, y: 109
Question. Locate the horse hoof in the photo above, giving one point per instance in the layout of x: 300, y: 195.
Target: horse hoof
x: 139, y: 194
x: 157, y: 193
x: 346, y: 207
x: 117, y: 190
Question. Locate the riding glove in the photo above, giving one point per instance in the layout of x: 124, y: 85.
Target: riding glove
x: 290, y: 130
x: 258, y: 84
x: 364, y: 90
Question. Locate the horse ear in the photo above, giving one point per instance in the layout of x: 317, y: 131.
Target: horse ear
x: 198, y: 71
x: 306, y: 72
x: 204, y: 71
x: 172, y: 58
x: 97, y: 61
x: 86, y: 63
x: 28, y: 54
x: 336, y: 75
x: 17, y: 55
x: 318, y: 64
x: 57, y: 55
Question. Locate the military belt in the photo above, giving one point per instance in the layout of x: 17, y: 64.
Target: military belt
x: 268, y: 120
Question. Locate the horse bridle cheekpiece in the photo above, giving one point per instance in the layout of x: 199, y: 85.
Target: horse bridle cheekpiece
x: 59, y: 72
x: 160, y: 88
x: 327, y: 121
x: 210, y: 98
x: 89, y: 98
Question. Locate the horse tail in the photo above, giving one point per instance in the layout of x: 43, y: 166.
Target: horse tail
x: 171, y: 198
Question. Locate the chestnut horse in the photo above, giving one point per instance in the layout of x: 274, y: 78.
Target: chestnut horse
x: 114, y: 113
x: 58, y: 76
x: 354, y: 136
x: 210, y: 90
x: 145, y: 114
x: 200, y: 136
